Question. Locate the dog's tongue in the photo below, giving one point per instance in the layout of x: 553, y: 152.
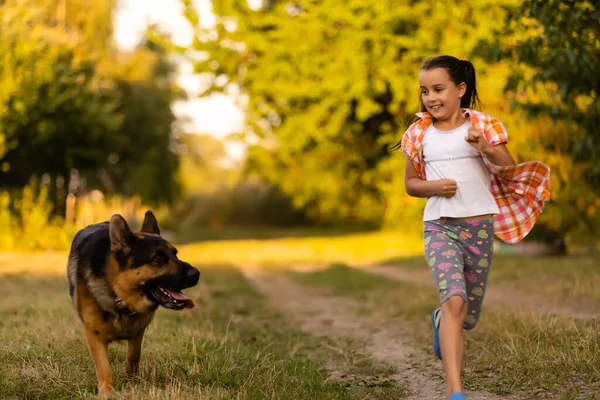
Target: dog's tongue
x: 189, y: 304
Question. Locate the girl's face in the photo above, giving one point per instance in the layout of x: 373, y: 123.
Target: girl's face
x: 440, y: 96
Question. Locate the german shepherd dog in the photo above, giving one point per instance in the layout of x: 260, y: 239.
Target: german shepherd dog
x: 117, y: 280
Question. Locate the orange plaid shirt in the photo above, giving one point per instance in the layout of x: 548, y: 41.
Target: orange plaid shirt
x: 519, y: 190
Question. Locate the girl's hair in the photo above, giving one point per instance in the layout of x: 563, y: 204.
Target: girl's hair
x: 459, y: 71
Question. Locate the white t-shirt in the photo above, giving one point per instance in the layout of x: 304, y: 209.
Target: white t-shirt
x: 448, y: 155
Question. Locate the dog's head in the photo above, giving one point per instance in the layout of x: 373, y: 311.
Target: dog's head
x: 145, y: 271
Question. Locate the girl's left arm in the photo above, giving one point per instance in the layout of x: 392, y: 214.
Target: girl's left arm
x: 497, y: 155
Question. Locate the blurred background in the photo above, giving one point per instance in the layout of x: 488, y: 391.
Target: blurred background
x: 265, y: 118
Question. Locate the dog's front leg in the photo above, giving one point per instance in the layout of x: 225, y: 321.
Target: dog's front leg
x: 134, y: 351
x: 99, y: 352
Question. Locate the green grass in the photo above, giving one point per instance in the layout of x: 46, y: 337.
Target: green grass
x: 235, y: 345
x: 563, y: 278
x: 396, y: 298
x: 344, y: 280
x: 537, y: 354
x: 506, y: 353
x: 230, y: 346
x: 512, y: 268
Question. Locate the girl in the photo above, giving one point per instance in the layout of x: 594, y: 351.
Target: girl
x: 457, y: 159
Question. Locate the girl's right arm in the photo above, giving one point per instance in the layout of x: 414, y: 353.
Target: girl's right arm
x: 417, y: 187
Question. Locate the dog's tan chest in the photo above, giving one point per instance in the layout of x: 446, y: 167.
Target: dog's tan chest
x: 124, y: 328
x: 105, y: 324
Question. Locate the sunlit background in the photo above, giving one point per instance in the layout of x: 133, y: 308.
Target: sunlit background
x: 218, y: 114
x: 266, y: 118
x: 260, y: 132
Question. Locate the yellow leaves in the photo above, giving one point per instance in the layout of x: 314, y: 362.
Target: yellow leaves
x: 366, y: 108
x: 583, y: 102
x: 591, y: 210
x: 586, y: 5
x: 135, y: 67
x: 327, y: 68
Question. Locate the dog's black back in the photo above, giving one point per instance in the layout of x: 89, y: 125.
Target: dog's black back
x: 90, y: 248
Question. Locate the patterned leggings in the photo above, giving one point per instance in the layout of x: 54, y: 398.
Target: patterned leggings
x: 459, y: 254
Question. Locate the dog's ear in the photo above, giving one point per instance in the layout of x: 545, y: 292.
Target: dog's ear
x: 120, y: 234
x: 150, y: 224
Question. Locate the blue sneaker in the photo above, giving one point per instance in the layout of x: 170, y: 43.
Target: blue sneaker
x: 457, y: 396
x: 435, y: 321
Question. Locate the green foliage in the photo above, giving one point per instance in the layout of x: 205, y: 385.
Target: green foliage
x: 554, y: 50
x: 330, y: 87
x: 148, y: 161
x: 219, y: 195
x: 27, y: 222
x: 250, y: 202
x: 559, y: 40
x: 76, y: 110
x: 91, y: 20
x: 203, y: 166
x: 56, y: 116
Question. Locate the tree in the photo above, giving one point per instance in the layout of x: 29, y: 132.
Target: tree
x: 202, y: 164
x: 54, y: 117
x: 554, y: 49
x: 329, y: 86
x: 92, y: 21
x: 148, y: 164
x: 85, y: 108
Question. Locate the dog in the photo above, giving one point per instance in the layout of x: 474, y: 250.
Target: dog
x: 117, y: 280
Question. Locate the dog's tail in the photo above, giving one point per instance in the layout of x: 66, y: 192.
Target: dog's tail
x: 74, y: 261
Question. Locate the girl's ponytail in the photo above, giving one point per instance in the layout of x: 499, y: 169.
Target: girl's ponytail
x: 470, y: 98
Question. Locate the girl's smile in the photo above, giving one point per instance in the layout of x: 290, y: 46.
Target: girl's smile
x: 441, y: 96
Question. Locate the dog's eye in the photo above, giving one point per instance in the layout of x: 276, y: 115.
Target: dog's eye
x: 159, y: 258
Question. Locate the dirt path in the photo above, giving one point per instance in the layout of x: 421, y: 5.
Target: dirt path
x: 337, y: 317
x: 499, y: 296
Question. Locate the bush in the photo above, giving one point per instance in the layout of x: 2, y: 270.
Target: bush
x: 27, y: 223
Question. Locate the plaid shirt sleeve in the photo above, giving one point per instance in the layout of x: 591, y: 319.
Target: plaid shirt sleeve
x: 519, y: 190
x: 408, y: 141
x: 490, y: 126
x: 495, y: 132
x: 412, y: 149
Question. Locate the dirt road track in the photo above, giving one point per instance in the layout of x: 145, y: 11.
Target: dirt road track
x: 337, y: 317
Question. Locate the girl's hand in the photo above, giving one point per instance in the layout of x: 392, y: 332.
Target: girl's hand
x: 477, y: 140
x: 446, y: 188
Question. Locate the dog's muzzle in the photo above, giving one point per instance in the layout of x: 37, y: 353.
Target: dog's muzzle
x: 166, y: 290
